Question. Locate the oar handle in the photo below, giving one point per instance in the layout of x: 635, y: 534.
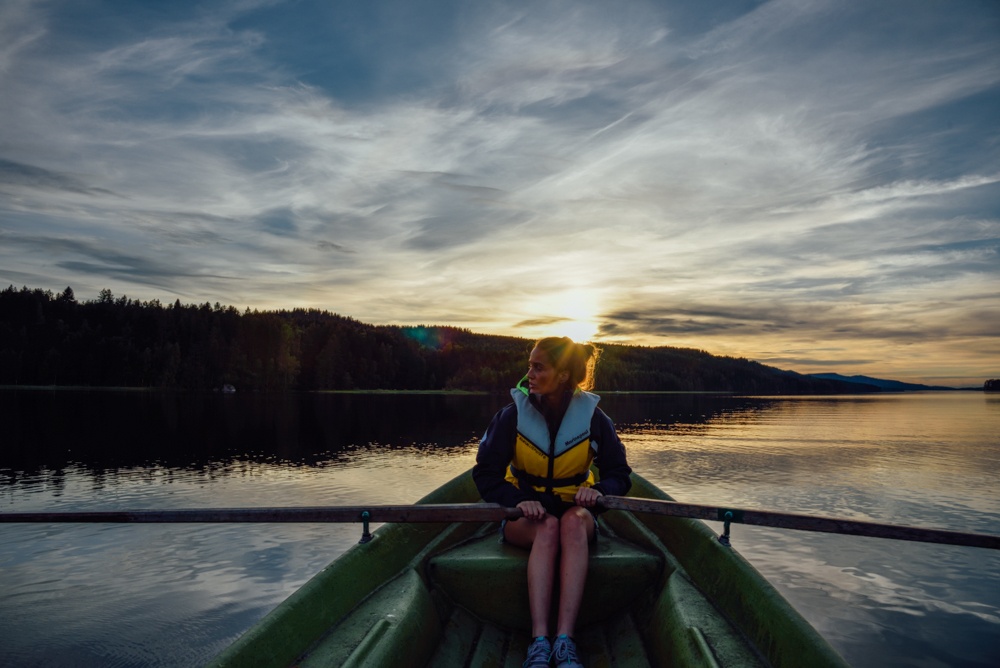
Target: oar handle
x: 800, y: 522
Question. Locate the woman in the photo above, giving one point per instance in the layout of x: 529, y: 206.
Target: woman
x: 536, y: 455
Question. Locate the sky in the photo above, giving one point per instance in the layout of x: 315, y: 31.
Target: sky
x: 811, y: 185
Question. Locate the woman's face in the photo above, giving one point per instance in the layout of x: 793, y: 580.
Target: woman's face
x: 543, y: 378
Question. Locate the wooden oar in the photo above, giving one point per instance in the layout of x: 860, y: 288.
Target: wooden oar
x: 457, y: 512
x: 769, y: 518
x: 491, y: 512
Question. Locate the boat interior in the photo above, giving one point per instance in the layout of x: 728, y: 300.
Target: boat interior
x: 660, y: 591
x: 467, y: 605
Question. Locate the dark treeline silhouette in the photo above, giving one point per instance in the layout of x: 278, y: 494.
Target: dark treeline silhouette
x: 49, y: 339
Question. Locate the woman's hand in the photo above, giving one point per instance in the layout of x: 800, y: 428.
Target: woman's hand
x: 587, y: 497
x: 532, y: 510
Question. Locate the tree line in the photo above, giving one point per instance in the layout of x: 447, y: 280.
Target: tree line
x: 53, y: 339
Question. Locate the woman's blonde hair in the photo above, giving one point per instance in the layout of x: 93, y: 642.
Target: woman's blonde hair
x: 578, y: 359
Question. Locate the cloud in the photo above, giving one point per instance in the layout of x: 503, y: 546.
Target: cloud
x: 20, y: 26
x: 541, y: 322
x: 714, y: 176
x: 14, y: 175
x: 97, y: 259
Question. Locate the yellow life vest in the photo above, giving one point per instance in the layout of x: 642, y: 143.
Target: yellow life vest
x: 561, y: 466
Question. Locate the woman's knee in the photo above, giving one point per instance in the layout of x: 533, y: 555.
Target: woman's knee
x: 577, y: 525
x: 548, y: 529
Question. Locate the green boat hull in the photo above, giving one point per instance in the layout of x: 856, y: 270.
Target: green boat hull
x: 661, y: 591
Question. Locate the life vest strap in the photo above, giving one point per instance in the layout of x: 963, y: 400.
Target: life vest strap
x: 542, y: 481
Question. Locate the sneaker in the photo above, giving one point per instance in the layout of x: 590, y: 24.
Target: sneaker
x: 564, y: 653
x: 539, y: 652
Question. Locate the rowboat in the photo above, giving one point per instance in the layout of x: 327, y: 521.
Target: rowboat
x: 661, y: 591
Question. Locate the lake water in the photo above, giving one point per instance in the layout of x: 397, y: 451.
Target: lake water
x: 174, y: 595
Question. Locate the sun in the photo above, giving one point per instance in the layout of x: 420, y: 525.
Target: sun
x: 580, y: 331
x: 572, y: 313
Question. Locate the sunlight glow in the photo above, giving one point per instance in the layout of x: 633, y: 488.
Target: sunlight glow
x: 572, y: 313
x: 580, y: 331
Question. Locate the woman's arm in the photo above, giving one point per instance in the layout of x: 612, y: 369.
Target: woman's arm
x: 610, y: 459
x: 496, y: 449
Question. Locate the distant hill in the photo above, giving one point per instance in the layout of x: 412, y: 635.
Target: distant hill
x: 48, y: 339
x: 884, y: 385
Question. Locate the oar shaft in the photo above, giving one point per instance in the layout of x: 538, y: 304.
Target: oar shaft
x: 801, y: 522
x: 490, y: 512
x: 459, y: 512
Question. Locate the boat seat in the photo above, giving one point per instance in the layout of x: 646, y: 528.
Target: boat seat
x: 490, y: 580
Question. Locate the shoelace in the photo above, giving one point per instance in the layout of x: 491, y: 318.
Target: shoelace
x: 565, y: 651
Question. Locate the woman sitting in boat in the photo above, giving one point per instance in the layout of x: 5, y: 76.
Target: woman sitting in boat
x: 536, y: 455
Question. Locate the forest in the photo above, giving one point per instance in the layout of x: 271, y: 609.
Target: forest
x: 49, y: 339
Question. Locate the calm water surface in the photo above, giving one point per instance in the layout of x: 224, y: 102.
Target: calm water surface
x: 174, y: 595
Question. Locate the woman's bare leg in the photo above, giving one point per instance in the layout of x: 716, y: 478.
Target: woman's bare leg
x: 576, y: 530
x: 542, y: 538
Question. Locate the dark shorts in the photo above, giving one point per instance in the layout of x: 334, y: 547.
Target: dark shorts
x: 554, y: 505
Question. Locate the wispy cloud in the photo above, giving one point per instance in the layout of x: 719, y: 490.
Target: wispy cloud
x: 762, y: 182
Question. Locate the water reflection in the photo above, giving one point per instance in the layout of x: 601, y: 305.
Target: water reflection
x: 170, y: 595
x: 925, y: 460
x: 130, y: 437
x: 112, y: 430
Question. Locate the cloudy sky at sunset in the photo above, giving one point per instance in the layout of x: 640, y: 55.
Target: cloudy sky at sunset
x: 813, y: 185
